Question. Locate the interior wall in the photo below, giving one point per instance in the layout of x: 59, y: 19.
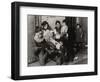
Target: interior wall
x: 31, y: 31
x: 52, y: 19
x: 84, y: 24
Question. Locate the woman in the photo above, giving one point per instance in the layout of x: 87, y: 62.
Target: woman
x: 47, y: 33
x: 52, y: 47
x: 59, y: 44
x: 44, y: 37
x: 41, y: 39
x: 57, y: 30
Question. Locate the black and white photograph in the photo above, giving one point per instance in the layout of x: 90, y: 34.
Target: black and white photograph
x: 53, y: 40
x: 57, y: 40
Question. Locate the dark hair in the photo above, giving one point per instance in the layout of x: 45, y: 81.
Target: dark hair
x: 44, y: 23
x: 57, y: 22
x: 56, y: 27
x: 64, y: 21
x: 78, y: 25
x: 37, y: 29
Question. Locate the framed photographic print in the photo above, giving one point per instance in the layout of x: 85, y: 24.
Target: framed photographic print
x: 53, y: 40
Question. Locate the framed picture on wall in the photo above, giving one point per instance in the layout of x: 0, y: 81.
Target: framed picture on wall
x: 53, y: 40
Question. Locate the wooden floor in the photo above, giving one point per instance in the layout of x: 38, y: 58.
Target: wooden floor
x: 80, y: 58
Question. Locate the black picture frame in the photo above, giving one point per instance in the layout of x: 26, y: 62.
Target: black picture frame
x: 15, y: 40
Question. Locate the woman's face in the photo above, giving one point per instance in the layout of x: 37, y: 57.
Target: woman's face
x: 58, y: 25
x: 46, y: 26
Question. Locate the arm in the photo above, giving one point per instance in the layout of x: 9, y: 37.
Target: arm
x: 37, y: 37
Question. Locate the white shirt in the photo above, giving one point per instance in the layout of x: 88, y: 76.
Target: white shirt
x: 37, y: 37
x: 57, y: 35
x: 64, y: 30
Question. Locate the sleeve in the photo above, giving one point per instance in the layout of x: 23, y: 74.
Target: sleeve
x: 36, y: 37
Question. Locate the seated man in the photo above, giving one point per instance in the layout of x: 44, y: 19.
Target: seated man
x: 79, y: 37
